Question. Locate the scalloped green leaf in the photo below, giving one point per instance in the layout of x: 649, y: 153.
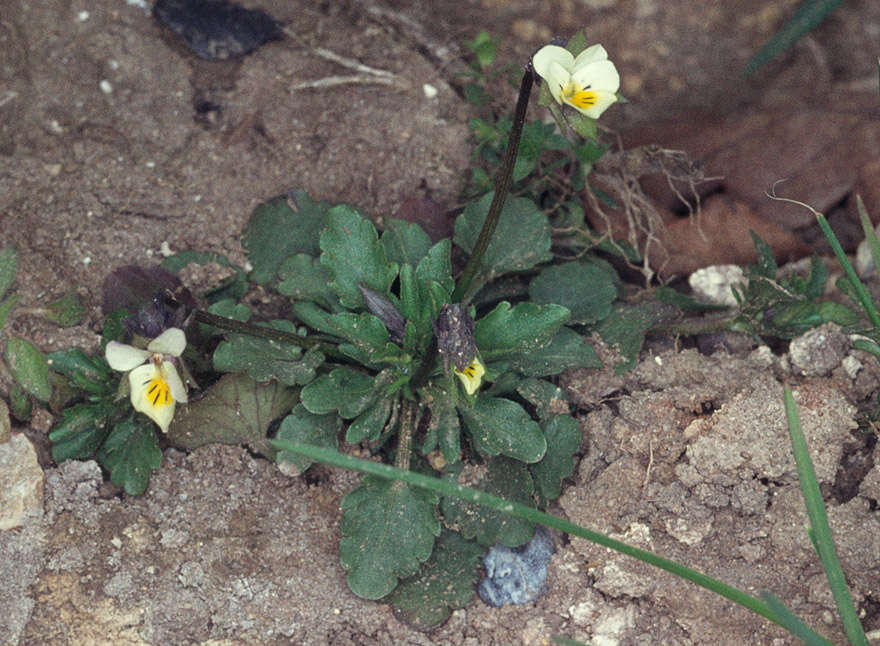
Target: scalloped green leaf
x: 521, y: 240
x: 89, y: 373
x: 282, y: 227
x: 28, y: 367
x: 8, y: 268
x: 353, y: 256
x: 563, y: 440
x: 265, y: 359
x: 304, y: 279
x: 388, y: 530
x: 308, y: 428
x: 567, y: 351
x: 405, y: 242
x: 82, y: 430
x: 507, y: 331
x: 369, y: 341
x: 131, y: 453
x: 444, y: 429
x: 369, y: 424
x: 344, y: 390
x: 508, y: 479
x: 437, y: 265
x: 234, y: 410
x: 626, y: 327
x: 585, y: 288
x: 548, y: 399
x: 498, y: 426
x: 445, y: 582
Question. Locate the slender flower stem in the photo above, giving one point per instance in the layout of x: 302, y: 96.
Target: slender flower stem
x: 264, y: 332
x: 503, y: 180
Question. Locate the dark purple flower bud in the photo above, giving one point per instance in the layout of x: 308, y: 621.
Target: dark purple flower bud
x: 454, y: 329
x: 155, y: 298
x: 384, y: 309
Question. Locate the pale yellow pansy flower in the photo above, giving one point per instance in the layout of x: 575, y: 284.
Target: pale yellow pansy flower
x: 471, y: 376
x: 588, y: 82
x: 155, y: 385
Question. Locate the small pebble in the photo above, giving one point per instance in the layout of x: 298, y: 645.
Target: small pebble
x: 517, y: 575
x: 429, y: 90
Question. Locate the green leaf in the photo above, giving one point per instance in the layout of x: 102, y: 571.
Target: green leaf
x: 531, y: 145
x: 67, y: 311
x: 500, y: 426
x: 437, y: 265
x: 507, y: 331
x: 29, y: 367
x: 353, y: 256
x: 344, y: 390
x: 405, y: 242
x: 766, y: 263
x: 79, y: 367
x: 234, y: 410
x: 130, y: 453
x: 308, y: 428
x: 548, y: 399
x: 388, y: 529
x: 626, y: 328
x: 567, y: 351
x: 445, y: 582
x: 8, y: 268
x: 507, y: 479
x: 521, y: 241
x: 82, y: 431
x: 6, y: 308
x: 265, y: 359
x: 280, y: 228
x: 369, y: 341
x: 21, y: 405
x: 444, y: 429
x: 585, y: 288
x: 369, y: 424
x: 563, y: 440
x: 304, y: 279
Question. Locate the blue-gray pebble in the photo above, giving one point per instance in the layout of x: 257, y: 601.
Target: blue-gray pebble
x: 517, y: 575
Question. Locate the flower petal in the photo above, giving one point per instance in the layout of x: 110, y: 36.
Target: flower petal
x: 549, y: 54
x: 150, y: 394
x: 603, y: 100
x: 172, y: 342
x: 591, y: 54
x: 124, y: 357
x: 175, y: 383
x: 472, y: 376
x: 600, y: 75
x: 558, y: 80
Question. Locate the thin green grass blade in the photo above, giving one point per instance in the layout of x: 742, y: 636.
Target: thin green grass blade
x: 867, y: 345
x: 822, y: 538
x: 808, y: 14
x: 794, y: 625
x: 862, y: 293
x: 870, y: 236
x: 499, y: 504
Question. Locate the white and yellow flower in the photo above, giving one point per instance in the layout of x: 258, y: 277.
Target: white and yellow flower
x: 155, y: 385
x: 471, y: 376
x: 588, y: 82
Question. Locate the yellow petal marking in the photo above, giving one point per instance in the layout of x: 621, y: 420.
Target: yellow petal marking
x: 578, y: 97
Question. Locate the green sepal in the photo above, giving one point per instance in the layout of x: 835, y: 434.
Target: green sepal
x: 498, y: 426
x: 82, y: 430
x: 508, y: 479
x: 388, y: 530
x: 507, y: 331
x: 308, y: 428
x: 521, y: 240
x: 265, y: 359
x: 563, y: 440
x: 131, y: 453
x: 445, y: 582
x: 353, y: 256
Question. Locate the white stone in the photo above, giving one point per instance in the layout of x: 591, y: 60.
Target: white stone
x: 21, y: 483
x: 713, y: 284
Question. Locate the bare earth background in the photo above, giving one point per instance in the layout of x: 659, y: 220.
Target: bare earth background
x: 690, y: 458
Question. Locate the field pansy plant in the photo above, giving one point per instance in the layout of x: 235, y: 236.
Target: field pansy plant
x: 155, y: 385
x: 588, y: 82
